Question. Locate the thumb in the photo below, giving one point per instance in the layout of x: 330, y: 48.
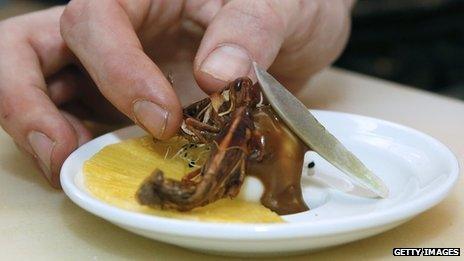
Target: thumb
x: 241, y: 32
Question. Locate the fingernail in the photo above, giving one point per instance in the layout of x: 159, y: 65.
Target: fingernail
x: 227, y: 62
x: 151, y: 116
x: 42, y: 147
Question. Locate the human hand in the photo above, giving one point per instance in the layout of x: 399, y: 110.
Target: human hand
x: 45, y: 58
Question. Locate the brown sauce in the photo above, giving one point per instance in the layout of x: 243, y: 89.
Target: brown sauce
x: 281, y: 166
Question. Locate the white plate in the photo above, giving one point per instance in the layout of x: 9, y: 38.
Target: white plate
x: 419, y: 171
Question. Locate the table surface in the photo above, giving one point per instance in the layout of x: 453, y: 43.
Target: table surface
x: 39, y: 222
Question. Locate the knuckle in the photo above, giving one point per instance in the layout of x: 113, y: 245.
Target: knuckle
x: 116, y: 69
x: 192, y: 7
x: 202, y: 11
x: 73, y: 14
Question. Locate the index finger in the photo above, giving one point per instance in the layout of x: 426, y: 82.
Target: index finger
x: 102, y: 35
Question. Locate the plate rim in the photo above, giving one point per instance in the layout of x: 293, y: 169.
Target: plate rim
x: 262, y: 231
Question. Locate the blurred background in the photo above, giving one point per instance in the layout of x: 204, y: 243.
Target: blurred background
x: 414, y: 42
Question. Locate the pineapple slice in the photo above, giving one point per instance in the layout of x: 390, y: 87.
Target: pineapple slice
x: 114, y: 174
